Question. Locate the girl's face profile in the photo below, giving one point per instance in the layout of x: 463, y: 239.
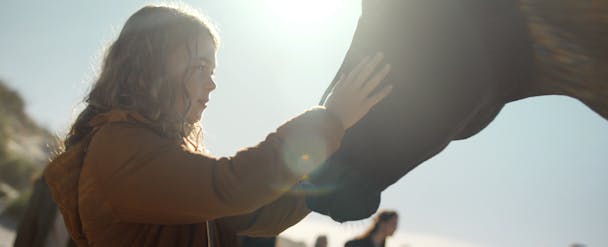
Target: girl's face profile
x: 195, y: 67
x: 387, y: 228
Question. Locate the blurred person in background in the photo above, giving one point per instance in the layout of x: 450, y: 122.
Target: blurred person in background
x: 385, y: 224
x: 321, y: 241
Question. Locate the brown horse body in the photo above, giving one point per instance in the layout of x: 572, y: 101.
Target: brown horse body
x: 455, y: 65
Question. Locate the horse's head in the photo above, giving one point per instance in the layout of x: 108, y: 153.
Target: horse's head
x: 455, y: 65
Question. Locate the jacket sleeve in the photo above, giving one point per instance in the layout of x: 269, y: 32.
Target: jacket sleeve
x: 270, y: 220
x: 148, y: 179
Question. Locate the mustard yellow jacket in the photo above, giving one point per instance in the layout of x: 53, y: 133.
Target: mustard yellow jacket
x: 126, y: 185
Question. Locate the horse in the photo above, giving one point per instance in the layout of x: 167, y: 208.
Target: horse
x: 455, y: 65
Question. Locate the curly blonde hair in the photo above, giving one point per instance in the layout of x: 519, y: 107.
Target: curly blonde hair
x: 133, y: 74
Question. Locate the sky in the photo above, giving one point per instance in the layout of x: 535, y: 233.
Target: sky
x: 536, y: 176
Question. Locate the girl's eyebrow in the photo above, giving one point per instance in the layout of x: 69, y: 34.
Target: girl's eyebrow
x: 200, y: 58
x: 203, y: 59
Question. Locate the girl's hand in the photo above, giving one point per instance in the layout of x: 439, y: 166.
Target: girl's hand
x: 350, y: 98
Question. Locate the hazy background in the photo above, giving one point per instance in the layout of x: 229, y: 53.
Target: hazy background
x: 536, y: 176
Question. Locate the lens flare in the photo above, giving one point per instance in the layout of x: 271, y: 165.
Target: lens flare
x: 305, y: 13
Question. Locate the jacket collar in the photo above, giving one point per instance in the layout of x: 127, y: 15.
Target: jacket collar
x: 117, y: 115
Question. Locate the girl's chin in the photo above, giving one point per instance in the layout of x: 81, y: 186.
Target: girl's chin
x: 195, y: 118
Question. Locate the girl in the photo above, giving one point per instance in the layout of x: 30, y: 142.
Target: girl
x: 132, y: 173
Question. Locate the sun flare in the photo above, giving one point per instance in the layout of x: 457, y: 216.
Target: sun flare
x: 306, y: 13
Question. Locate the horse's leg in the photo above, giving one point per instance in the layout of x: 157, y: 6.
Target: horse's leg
x: 571, y: 50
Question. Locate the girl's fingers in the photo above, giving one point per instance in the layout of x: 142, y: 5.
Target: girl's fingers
x: 369, y: 68
x: 373, y: 83
x: 379, y: 96
x: 355, y: 72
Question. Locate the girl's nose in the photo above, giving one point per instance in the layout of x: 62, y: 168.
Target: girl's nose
x: 211, y: 85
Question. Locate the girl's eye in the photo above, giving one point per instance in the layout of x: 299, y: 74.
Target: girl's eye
x: 200, y: 67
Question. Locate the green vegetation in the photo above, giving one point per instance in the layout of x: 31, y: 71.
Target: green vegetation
x: 16, y: 208
x: 18, y: 173
x: 17, y: 170
x: 12, y: 112
x: 10, y: 101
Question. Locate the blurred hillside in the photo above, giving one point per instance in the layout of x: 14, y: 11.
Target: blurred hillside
x: 24, y: 148
x: 19, y: 134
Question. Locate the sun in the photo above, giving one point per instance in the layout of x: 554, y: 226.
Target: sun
x: 304, y: 13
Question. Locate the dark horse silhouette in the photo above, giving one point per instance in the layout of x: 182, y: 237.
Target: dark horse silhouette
x: 456, y: 63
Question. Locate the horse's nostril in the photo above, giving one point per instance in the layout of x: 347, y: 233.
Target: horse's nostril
x: 343, y: 210
x: 346, y: 205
